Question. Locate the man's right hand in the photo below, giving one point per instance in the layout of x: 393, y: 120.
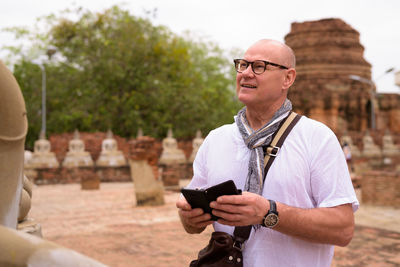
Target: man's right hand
x: 193, y: 220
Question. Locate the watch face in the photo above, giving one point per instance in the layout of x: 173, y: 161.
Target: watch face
x: 271, y: 220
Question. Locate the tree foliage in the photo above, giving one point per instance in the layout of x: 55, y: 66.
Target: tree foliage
x: 118, y: 71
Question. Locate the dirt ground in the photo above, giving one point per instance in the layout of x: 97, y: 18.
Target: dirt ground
x: 107, y: 225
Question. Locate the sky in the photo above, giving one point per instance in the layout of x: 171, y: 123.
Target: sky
x: 238, y: 24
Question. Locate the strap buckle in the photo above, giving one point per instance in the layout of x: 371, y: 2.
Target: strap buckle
x: 238, y: 245
x: 273, y: 151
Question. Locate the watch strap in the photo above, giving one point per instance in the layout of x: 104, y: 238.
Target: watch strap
x: 271, y: 212
x: 272, y: 207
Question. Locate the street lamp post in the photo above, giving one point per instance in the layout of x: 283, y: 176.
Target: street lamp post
x: 43, y: 130
x: 50, y: 52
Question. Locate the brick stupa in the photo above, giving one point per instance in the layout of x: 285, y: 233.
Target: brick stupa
x: 327, y: 52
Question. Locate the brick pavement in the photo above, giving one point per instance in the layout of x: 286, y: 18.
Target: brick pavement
x: 106, y: 225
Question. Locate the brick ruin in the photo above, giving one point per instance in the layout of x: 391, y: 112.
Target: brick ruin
x: 328, y: 51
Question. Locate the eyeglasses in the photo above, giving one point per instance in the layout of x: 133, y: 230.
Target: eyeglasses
x: 258, y: 66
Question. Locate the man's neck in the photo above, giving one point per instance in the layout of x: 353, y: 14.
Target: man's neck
x: 258, y: 117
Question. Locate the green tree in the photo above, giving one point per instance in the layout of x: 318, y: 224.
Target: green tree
x: 118, y: 71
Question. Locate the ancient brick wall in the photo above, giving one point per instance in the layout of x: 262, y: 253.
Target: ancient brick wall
x: 78, y: 174
x: 381, y: 188
x: 388, y: 116
x: 145, y: 148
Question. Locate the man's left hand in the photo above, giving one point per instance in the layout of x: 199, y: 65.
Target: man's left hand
x: 240, y: 210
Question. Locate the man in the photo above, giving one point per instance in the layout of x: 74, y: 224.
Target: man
x: 308, y: 181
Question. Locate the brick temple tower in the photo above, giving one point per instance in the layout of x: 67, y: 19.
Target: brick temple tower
x: 328, y: 51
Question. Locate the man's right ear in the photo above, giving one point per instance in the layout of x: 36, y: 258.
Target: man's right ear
x: 289, y: 78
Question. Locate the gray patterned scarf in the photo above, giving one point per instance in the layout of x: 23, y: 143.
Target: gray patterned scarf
x: 254, y: 140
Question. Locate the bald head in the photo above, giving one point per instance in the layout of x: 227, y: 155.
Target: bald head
x: 283, y: 53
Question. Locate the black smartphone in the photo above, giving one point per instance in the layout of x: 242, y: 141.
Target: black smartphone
x: 201, y: 198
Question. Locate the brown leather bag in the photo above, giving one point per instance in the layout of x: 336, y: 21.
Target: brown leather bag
x: 224, y: 249
x: 221, y: 251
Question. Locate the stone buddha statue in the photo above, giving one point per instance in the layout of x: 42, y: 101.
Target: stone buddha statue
x: 42, y: 157
x: 389, y: 148
x: 25, y: 224
x: 171, y: 154
x: 110, y: 156
x: 13, y: 129
x: 196, y: 143
x: 19, y: 248
x: 77, y: 156
x: 371, y: 150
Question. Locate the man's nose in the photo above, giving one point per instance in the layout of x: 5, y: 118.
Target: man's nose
x: 248, y: 71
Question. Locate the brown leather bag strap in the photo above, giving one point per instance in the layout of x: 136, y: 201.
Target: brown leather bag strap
x: 273, y: 149
x: 242, y: 233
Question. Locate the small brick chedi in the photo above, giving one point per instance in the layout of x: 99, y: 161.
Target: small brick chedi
x: 143, y: 159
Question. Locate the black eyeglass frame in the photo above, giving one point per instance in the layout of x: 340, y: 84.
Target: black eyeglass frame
x: 236, y: 62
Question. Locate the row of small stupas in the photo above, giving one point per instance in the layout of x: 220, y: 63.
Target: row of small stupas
x: 110, y: 155
x: 370, y: 149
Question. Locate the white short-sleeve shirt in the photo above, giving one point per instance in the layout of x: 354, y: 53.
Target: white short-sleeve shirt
x: 310, y: 171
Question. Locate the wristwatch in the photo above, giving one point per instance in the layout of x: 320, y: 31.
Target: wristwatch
x: 271, y: 219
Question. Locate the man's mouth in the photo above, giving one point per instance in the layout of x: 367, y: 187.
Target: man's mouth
x: 246, y: 85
